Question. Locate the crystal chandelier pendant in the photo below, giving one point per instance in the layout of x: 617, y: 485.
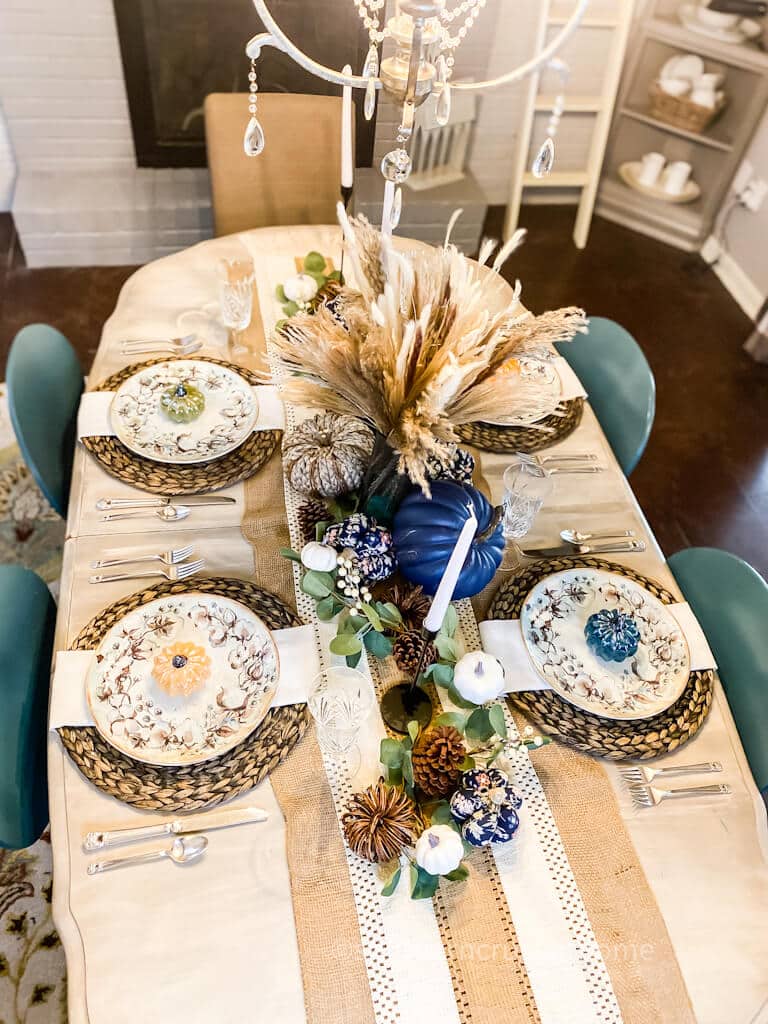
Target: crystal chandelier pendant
x: 443, y: 107
x: 397, y: 209
x: 396, y: 166
x: 253, y: 142
x: 371, y: 72
x: 544, y: 160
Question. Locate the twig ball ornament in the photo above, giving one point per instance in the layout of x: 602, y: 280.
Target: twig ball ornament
x: 439, y: 850
x: 317, y: 556
x: 478, y: 677
x: 327, y: 455
x: 380, y: 822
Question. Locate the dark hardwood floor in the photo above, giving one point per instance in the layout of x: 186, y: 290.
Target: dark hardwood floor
x: 704, y: 477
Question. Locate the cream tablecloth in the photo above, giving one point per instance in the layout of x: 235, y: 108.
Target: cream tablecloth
x: 707, y: 862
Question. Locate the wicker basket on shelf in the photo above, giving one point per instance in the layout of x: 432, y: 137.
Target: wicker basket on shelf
x: 681, y: 111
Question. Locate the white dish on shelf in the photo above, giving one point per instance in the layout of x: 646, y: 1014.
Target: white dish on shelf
x: 683, y: 65
x: 629, y: 174
x: 746, y: 31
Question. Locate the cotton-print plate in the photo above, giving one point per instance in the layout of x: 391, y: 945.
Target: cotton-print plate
x: 228, y: 418
x: 537, y: 392
x: 182, y: 679
x: 644, y: 662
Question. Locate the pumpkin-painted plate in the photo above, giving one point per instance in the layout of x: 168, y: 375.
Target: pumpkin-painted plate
x: 535, y: 392
x: 182, y: 679
x: 228, y: 417
x: 605, y: 644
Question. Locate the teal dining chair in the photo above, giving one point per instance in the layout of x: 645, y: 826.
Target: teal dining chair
x: 27, y: 622
x: 730, y: 600
x: 45, y: 381
x: 620, y: 385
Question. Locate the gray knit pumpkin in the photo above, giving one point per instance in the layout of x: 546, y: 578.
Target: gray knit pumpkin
x: 327, y: 455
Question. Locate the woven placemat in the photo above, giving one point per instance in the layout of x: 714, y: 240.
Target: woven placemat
x: 591, y: 734
x: 191, y: 787
x: 491, y: 437
x: 163, y: 478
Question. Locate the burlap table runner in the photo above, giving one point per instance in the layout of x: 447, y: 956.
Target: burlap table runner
x: 622, y: 910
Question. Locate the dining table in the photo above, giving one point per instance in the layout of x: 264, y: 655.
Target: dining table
x: 279, y: 920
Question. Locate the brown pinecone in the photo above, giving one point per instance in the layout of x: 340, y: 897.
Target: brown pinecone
x: 406, y: 649
x: 411, y: 600
x: 437, y: 758
x: 311, y: 513
x: 379, y: 822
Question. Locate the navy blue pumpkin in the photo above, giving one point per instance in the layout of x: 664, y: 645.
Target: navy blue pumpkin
x: 425, y: 532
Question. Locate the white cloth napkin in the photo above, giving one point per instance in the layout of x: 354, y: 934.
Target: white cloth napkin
x: 295, y: 646
x: 572, y: 386
x: 93, y: 418
x: 503, y: 638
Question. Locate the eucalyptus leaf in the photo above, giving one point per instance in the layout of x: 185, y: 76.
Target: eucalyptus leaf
x: 447, y: 648
x: 408, y: 767
x: 294, y: 556
x: 389, y: 612
x: 280, y: 293
x: 314, y: 262
x: 291, y: 308
x: 392, y: 884
x: 457, y: 699
x: 479, y: 728
x: 441, y: 814
x: 450, y: 622
x: 441, y: 675
x: 326, y: 609
x: 459, y: 874
x: 423, y: 885
x: 358, y: 621
x: 413, y: 730
x: 497, y: 720
x: 346, y: 643
x: 391, y: 753
x: 320, y: 529
x: 379, y: 645
x: 335, y: 275
x: 453, y: 718
x: 317, y: 584
x: 373, y: 617
x: 353, y: 660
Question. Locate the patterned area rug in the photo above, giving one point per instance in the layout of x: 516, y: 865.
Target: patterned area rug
x: 32, y: 970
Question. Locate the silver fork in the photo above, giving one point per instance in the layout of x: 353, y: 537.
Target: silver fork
x: 174, y: 573
x: 639, y: 774
x: 188, y: 339
x: 172, y: 557
x: 650, y: 796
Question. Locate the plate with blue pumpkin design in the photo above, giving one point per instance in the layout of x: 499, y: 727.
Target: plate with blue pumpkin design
x: 605, y: 644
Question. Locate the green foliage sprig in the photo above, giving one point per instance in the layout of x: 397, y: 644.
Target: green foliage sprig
x: 314, y: 266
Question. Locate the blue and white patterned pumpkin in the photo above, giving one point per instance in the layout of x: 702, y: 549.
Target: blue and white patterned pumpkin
x: 371, y: 543
x: 485, y: 805
x: 612, y: 635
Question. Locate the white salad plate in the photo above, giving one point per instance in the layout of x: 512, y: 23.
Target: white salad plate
x: 644, y: 683
x: 228, y: 418
x: 182, y: 679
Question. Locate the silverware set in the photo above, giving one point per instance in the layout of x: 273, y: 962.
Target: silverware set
x: 163, y: 507
x: 173, y: 573
x: 638, y: 781
x: 185, y: 346
x: 576, y: 462
x: 185, y: 848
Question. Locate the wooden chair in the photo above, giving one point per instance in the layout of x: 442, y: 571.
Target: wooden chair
x: 295, y: 180
x: 27, y: 623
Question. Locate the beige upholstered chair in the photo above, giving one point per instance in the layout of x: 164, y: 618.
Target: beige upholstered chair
x: 295, y: 180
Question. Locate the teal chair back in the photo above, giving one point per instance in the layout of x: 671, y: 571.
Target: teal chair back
x: 619, y: 383
x: 27, y: 622
x: 45, y: 382
x: 730, y: 600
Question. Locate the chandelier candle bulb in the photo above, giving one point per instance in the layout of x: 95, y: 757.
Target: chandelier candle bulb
x: 347, y: 166
x: 444, y: 592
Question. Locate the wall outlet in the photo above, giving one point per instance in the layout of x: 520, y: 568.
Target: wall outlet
x: 754, y: 194
x: 744, y: 175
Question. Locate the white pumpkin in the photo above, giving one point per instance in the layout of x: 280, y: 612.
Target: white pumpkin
x: 439, y: 850
x: 300, y: 288
x: 479, y: 677
x: 321, y: 557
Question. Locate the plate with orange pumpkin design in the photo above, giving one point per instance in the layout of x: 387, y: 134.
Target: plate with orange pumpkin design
x: 182, y: 679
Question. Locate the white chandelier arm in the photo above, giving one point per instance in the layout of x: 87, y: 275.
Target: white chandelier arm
x: 532, y: 65
x: 275, y: 36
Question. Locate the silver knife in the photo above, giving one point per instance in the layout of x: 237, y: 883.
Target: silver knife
x: 586, y: 549
x: 193, y: 823
x: 104, y: 504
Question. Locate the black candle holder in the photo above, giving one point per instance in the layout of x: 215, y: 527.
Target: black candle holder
x: 407, y: 701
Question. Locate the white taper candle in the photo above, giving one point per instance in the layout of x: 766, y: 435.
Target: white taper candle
x: 347, y: 163
x: 444, y: 592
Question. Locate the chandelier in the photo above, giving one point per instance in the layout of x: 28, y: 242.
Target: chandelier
x: 426, y: 35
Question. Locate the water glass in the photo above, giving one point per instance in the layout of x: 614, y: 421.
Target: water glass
x: 527, y: 485
x: 340, y: 700
x: 236, y: 281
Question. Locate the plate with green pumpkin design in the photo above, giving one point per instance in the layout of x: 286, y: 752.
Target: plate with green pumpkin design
x: 184, y: 411
x: 605, y: 644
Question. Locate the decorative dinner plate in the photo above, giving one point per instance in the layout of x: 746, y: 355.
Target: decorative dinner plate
x: 182, y: 679
x: 605, y: 644
x: 541, y: 397
x: 223, y: 411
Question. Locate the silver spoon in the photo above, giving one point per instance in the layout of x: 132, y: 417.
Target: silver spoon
x: 577, y: 537
x: 168, y: 513
x: 183, y: 850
